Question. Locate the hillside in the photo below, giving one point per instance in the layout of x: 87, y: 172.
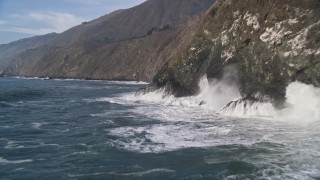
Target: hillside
x: 8, y: 51
x: 130, y: 44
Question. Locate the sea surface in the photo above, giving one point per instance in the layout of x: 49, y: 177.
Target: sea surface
x: 76, y: 129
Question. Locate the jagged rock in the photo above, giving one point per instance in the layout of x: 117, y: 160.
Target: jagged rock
x: 249, y: 106
x: 248, y: 101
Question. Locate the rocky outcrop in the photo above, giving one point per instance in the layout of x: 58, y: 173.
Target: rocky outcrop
x: 272, y: 42
x: 131, y: 44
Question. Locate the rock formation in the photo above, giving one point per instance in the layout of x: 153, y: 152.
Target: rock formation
x: 272, y: 43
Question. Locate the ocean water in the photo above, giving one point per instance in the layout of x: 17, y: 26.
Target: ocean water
x: 74, y: 129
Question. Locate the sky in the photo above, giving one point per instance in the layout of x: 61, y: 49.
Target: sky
x: 25, y: 18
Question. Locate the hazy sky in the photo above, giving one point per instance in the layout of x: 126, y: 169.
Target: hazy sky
x: 26, y: 18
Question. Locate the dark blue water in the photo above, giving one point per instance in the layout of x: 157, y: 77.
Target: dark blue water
x: 97, y: 130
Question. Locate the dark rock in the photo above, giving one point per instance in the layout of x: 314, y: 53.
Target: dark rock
x: 202, y: 103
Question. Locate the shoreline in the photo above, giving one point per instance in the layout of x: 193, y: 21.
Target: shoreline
x: 76, y: 79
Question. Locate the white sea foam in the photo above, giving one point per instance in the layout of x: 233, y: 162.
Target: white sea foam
x: 168, y: 137
x: 13, y: 145
x: 128, y: 82
x: 84, y: 152
x: 140, y: 173
x: 23, y: 77
x: 68, y: 79
x: 5, y: 161
x: 37, y: 125
x: 177, y: 127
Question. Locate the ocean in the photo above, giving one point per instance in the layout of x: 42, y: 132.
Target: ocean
x: 77, y: 129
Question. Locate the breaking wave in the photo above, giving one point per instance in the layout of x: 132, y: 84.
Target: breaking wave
x: 302, y: 103
x: 223, y: 97
x: 216, y: 93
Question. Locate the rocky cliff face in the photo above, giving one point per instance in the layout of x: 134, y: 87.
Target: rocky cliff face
x: 130, y: 44
x: 271, y: 42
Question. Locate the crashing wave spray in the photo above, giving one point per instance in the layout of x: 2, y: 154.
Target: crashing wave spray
x: 229, y: 102
x: 223, y: 96
x: 257, y: 106
x: 216, y: 93
x: 303, y: 103
x: 219, y: 95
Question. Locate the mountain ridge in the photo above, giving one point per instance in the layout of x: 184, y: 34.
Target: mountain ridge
x: 114, y: 30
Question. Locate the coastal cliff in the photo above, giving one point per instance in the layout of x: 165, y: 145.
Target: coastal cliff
x: 270, y: 43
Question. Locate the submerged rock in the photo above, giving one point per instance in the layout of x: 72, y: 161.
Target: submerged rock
x: 202, y: 103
